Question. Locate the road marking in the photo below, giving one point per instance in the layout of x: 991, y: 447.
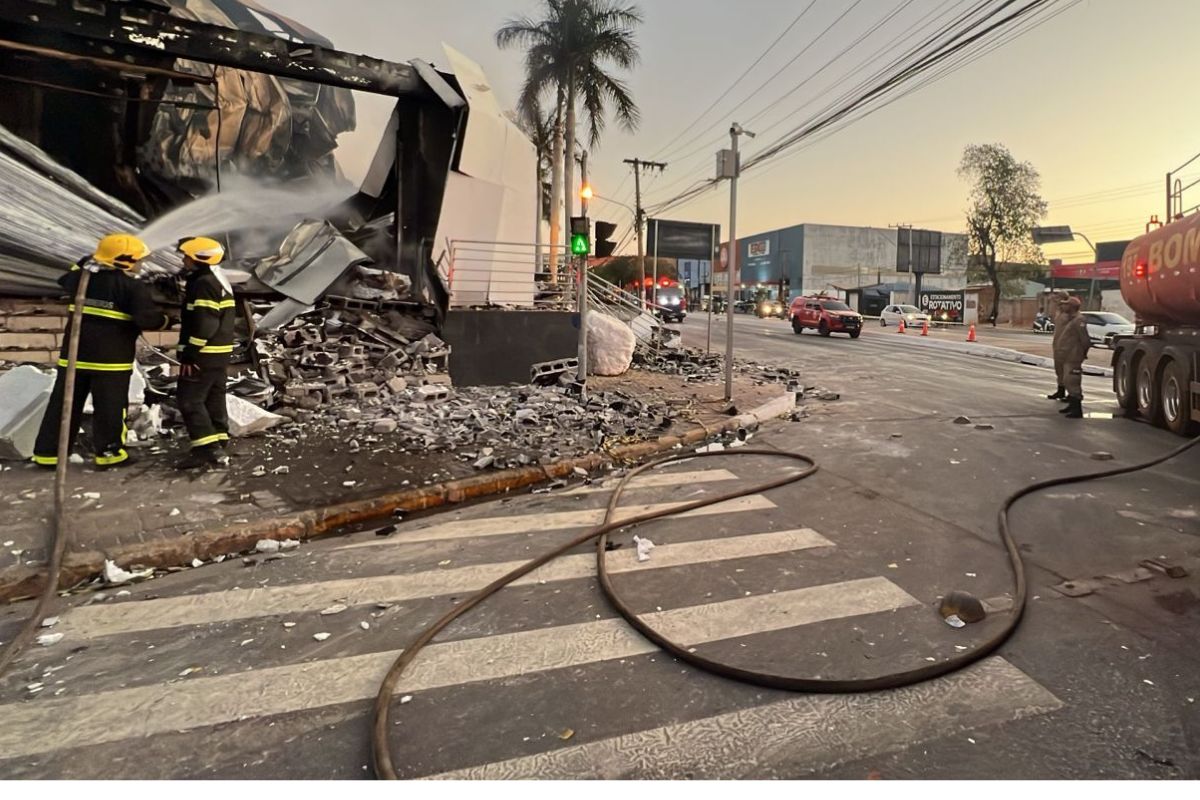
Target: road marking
x: 792, y: 738
x: 681, y: 479
x: 52, y: 724
x: 203, y: 609
x: 552, y: 521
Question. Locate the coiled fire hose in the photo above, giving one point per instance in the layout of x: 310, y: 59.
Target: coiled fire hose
x: 381, y: 710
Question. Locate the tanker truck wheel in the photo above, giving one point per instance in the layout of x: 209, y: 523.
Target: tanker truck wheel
x: 1175, y: 399
x: 1148, y: 406
x: 1125, y: 379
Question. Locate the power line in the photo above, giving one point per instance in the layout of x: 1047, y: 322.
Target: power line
x: 775, y: 75
x: 871, y: 59
x: 739, y: 79
x: 957, y: 41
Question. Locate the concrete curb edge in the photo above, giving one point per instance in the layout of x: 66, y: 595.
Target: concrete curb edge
x: 22, y: 582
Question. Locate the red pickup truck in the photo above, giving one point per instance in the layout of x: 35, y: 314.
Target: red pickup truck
x: 825, y: 315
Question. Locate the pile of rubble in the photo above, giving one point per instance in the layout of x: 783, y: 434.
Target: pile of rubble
x: 500, y: 427
x: 358, y: 354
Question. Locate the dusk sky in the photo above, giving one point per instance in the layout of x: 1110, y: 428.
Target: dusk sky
x: 1093, y: 98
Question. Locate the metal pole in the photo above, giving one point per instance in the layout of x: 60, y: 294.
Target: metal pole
x: 712, y: 257
x: 912, y: 273
x: 654, y: 291
x: 637, y: 191
x: 733, y: 263
x: 583, y: 284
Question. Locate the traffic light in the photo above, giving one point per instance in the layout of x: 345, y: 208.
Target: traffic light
x: 604, y: 235
x: 580, y: 244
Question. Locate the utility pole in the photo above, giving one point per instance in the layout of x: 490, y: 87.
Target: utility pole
x: 731, y: 168
x: 640, y: 215
x: 912, y: 273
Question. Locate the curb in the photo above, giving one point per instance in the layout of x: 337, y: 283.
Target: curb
x: 18, y: 583
x: 1006, y: 354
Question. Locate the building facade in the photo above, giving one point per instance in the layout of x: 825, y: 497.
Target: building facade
x: 836, y: 259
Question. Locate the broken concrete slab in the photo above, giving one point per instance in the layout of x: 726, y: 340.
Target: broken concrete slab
x: 247, y: 419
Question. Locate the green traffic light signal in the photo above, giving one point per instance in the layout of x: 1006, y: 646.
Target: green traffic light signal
x: 580, y: 245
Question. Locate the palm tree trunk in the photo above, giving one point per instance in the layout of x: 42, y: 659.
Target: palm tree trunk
x: 569, y: 187
x: 556, y: 188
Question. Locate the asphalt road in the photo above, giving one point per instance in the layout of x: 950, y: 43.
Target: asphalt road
x: 223, y: 671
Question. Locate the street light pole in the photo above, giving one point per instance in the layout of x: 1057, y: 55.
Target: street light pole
x: 734, y: 132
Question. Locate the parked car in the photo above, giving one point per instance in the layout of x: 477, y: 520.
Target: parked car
x: 743, y: 306
x: 672, y: 305
x: 911, y: 315
x: 770, y: 308
x: 1104, y: 325
x: 824, y: 315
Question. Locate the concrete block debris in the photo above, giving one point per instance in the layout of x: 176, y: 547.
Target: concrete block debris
x: 549, y: 373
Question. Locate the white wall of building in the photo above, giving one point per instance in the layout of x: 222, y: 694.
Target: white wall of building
x: 492, y: 197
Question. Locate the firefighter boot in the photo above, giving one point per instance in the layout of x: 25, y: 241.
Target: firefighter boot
x: 1061, y: 394
x: 199, y: 458
x: 1074, y: 408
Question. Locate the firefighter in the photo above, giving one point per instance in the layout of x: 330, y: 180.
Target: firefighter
x: 1073, y: 349
x: 205, y: 345
x: 116, y: 309
x: 1061, y: 319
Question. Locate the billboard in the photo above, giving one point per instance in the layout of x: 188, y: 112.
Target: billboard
x: 926, y: 250
x: 695, y: 240
x: 943, y: 306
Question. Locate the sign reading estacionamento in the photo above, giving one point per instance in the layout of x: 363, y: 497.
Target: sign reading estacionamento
x: 948, y: 306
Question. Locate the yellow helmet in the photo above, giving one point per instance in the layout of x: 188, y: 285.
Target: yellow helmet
x: 120, y: 250
x: 202, y: 249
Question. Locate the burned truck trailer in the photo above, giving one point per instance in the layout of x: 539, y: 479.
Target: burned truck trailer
x: 127, y: 97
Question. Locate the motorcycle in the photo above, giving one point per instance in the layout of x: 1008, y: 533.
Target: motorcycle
x: 1043, y: 324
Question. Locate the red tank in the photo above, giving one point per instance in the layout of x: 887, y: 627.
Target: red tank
x: 1160, y: 274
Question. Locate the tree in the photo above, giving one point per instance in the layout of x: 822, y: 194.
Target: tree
x: 1006, y: 204
x: 568, y: 54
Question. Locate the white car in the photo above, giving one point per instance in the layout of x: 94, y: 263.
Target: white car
x: 1104, y: 325
x: 911, y: 315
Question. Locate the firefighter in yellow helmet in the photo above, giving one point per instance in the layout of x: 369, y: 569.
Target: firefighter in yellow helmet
x: 205, y: 346
x: 116, y: 309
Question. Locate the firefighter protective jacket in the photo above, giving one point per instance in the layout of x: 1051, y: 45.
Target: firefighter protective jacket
x: 116, y: 309
x: 206, y: 333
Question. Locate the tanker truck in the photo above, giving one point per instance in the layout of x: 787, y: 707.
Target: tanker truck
x: 1156, y: 370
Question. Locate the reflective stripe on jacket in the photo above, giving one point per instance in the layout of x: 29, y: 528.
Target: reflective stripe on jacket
x: 116, y: 309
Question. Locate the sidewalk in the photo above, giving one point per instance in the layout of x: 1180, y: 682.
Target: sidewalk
x: 147, y: 512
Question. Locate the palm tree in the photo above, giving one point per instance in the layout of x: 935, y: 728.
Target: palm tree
x: 568, y: 53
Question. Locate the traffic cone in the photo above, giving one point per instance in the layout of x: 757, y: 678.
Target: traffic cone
x: 971, y: 333
x: 925, y: 328
x: 901, y: 328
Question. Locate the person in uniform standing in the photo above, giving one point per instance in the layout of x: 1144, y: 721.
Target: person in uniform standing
x: 1061, y: 319
x: 205, y: 347
x: 116, y: 309
x: 1073, y: 349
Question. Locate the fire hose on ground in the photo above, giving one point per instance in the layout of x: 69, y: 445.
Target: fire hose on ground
x: 381, y: 711
x: 382, y: 708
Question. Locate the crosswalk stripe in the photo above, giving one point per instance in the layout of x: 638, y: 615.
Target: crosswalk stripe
x: 173, y: 612
x: 57, y: 723
x: 655, y: 479
x: 558, y: 520
x: 793, y: 737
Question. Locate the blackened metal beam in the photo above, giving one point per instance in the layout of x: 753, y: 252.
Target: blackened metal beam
x: 131, y: 31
